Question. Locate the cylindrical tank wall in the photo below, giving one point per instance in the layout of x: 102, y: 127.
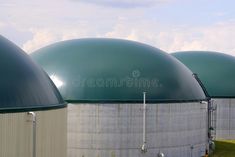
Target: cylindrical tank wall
x: 225, y: 118
x: 16, y: 134
x: 116, y: 130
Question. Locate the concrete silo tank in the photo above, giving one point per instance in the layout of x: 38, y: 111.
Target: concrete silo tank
x: 104, y: 79
x: 33, y: 116
x: 217, y: 73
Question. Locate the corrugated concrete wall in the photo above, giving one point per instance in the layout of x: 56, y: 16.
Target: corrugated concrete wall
x: 16, y: 133
x: 225, y: 122
x: 116, y: 130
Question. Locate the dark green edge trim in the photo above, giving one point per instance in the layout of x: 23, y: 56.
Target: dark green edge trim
x: 201, y: 84
x: 134, y: 101
x: 223, y: 97
x: 40, y: 108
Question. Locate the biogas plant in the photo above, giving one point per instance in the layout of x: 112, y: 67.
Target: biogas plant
x: 99, y: 97
x: 127, y: 99
x: 216, y: 71
x: 33, y: 115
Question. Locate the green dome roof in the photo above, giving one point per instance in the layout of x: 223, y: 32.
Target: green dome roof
x: 23, y: 85
x: 215, y: 70
x: 113, y: 70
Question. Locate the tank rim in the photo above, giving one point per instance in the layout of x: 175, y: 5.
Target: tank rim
x: 165, y: 101
x: 34, y: 108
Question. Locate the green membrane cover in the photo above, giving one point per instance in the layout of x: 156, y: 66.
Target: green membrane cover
x: 215, y: 70
x: 23, y: 84
x: 114, y: 70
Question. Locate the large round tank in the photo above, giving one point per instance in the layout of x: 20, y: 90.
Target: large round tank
x: 217, y: 73
x: 104, y: 80
x: 33, y: 115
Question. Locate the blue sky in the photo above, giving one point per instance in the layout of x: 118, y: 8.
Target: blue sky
x: 171, y: 25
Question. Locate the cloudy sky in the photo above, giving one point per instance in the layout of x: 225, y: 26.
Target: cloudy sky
x: 171, y: 25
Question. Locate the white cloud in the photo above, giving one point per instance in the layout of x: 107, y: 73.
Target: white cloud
x: 40, y: 38
x: 44, y: 37
x: 219, y: 37
x: 2, y: 25
x: 50, y: 23
x: 125, y: 3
